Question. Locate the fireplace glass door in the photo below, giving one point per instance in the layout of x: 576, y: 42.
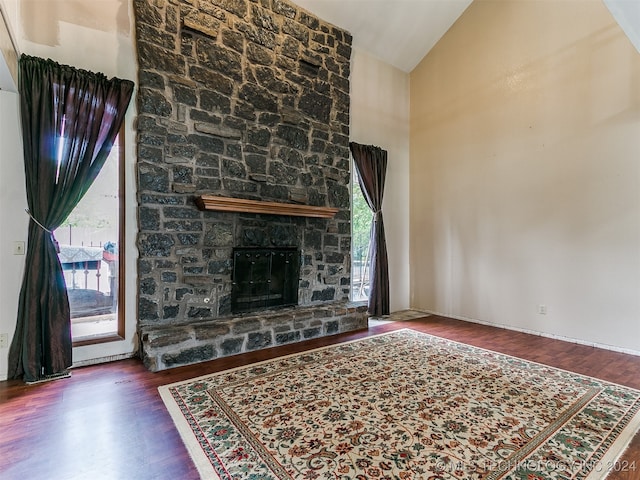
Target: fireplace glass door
x: 264, y: 278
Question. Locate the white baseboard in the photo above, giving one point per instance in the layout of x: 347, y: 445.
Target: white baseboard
x: 95, y: 361
x: 612, y: 348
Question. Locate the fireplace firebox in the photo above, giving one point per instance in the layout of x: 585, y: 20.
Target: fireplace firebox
x: 264, y: 278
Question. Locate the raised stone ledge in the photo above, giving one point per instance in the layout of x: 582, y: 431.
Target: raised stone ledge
x: 168, y: 346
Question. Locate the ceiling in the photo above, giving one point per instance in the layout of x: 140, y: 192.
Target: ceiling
x: 627, y: 14
x: 399, y: 32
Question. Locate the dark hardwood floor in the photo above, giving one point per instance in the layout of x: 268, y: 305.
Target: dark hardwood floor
x: 108, y: 421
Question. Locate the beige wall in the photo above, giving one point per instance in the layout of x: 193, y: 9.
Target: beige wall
x: 525, y: 172
x: 380, y: 116
x: 13, y: 201
x: 13, y: 219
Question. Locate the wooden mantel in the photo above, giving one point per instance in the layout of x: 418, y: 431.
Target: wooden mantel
x: 226, y: 204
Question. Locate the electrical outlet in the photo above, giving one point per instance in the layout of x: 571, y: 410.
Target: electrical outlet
x: 18, y: 248
x: 542, y: 309
x: 4, y: 340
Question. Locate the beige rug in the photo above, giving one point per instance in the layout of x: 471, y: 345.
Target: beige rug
x: 403, y: 405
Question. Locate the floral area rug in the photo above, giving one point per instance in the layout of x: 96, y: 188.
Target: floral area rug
x: 403, y: 405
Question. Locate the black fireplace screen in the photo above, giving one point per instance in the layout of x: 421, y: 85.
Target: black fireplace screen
x: 264, y: 278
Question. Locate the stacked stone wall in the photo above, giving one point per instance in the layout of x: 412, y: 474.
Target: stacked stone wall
x: 245, y: 99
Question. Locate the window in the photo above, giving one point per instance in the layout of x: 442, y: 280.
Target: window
x: 92, y: 257
x: 360, y: 241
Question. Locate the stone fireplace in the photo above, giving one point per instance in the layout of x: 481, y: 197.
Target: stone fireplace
x: 239, y: 99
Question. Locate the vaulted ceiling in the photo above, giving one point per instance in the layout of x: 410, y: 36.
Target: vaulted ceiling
x: 399, y: 32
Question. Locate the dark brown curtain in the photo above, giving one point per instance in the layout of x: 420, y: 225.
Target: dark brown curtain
x: 70, y: 119
x: 371, y: 165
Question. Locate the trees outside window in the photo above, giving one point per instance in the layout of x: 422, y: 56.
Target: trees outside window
x: 360, y: 242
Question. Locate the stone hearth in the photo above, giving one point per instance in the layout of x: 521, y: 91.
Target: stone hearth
x: 170, y: 346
